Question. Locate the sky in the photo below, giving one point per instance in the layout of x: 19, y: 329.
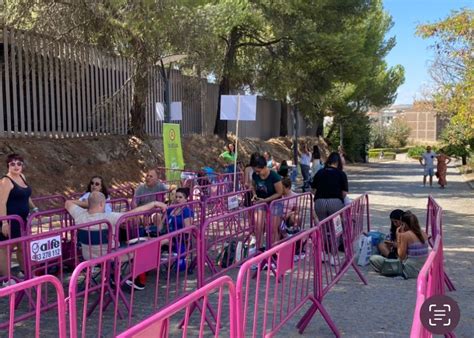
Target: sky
x: 412, y: 52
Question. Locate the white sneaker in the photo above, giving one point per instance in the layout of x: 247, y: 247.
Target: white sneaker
x: 298, y: 257
x: 254, y: 267
x: 8, y: 283
x: 20, y: 275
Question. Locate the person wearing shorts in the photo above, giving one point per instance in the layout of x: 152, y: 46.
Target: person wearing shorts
x: 427, y: 161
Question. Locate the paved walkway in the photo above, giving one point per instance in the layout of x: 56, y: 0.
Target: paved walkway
x: 385, y: 307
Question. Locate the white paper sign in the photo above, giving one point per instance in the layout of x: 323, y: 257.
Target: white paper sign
x: 338, y: 225
x: 232, y: 202
x: 159, y: 111
x: 45, y: 248
x: 176, y: 111
x: 248, y: 107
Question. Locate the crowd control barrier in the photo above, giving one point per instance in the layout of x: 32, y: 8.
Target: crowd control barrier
x: 47, y: 220
x: 288, y: 216
x: 434, y: 228
x: 160, y: 196
x: 338, y: 247
x: 360, y: 216
x: 104, y: 300
x: 36, y: 290
x: 286, y: 278
x: 223, y: 204
x: 228, y: 240
x: 161, y: 323
x: 203, y: 192
x: 49, y: 202
x: 430, y: 282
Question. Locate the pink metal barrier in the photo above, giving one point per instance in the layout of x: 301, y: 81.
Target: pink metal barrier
x: 338, y: 247
x: 434, y: 228
x: 288, y: 216
x: 123, y: 191
x: 203, y: 192
x: 53, y: 252
x: 360, y: 216
x: 230, y: 239
x: 161, y: 196
x: 49, y: 202
x: 286, y: 278
x: 139, y: 226
x: 220, y: 205
x: 113, y: 295
x: 16, y: 222
x: 430, y: 282
x: 119, y: 204
x: 43, y: 221
x: 37, y: 292
x: 160, y: 324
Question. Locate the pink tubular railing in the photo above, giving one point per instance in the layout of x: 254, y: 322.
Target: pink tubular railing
x: 119, y: 204
x: 227, y: 240
x: 286, y: 277
x: 360, y: 216
x: 55, y: 253
x: 44, y: 221
x: 49, y: 202
x: 337, y: 247
x: 430, y: 282
x: 434, y: 227
x: 159, y: 325
x: 161, y: 196
x: 103, y: 301
x: 220, y: 205
x: 122, y: 191
x: 289, y: 215
x: 203, y: 192
x: 36, y: 289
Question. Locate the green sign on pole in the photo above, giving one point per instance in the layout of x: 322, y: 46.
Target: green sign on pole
x: 173, y: 151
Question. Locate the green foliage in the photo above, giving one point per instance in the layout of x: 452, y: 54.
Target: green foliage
x: 417, y: 151
x: 458, y: 137
x: 453, y: 70
x: 398, y: 133
x: 387, y: 155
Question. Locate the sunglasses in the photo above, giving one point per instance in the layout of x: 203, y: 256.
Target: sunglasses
x: 17, y: 163
x: 96, y: 183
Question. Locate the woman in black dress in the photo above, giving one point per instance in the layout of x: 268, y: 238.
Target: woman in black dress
x: 15, y: 199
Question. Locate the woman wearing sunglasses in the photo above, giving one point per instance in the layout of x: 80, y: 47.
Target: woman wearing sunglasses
x: 15, y: 199
x: 96, y: 184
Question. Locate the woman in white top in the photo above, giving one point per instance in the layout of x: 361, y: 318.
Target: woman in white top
x: 305, y: 162
x: 96, y: 184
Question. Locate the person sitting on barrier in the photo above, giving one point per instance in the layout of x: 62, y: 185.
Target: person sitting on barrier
x: 331, y: 187
x: 388, y: 248
x: 96, y: 212
x: 96, y: 184
x: 267, y: 187
x: 227, y: 158
x: 412, y: 250
x: 152, y: 185
x: 15, y: 199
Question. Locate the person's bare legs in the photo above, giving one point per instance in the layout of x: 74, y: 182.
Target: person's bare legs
x: 276, y: 221
x: 19, y: 257
x: 3, y: 262
x: 431, y: 180
x: 424, y: 180
x: 259, y: 218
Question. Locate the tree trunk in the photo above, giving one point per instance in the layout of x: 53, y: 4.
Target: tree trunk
x: 140, y: 90
x: 220, y: 126
x: 464, y: 159
x: 319, y: 124
x: 284, y: 118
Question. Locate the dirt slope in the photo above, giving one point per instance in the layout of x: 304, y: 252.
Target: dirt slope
x: 66, y: 165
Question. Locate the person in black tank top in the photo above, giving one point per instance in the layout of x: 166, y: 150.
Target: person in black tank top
x: 15, y: 199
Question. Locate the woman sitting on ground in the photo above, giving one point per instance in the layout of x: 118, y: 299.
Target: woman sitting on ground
x: 388, y: 248
x: 412, y: 250
x: 96, y: 184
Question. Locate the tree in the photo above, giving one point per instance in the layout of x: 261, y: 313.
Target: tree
x: 452, y: 72
x: 398, y: 133
x: 139, y: 30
